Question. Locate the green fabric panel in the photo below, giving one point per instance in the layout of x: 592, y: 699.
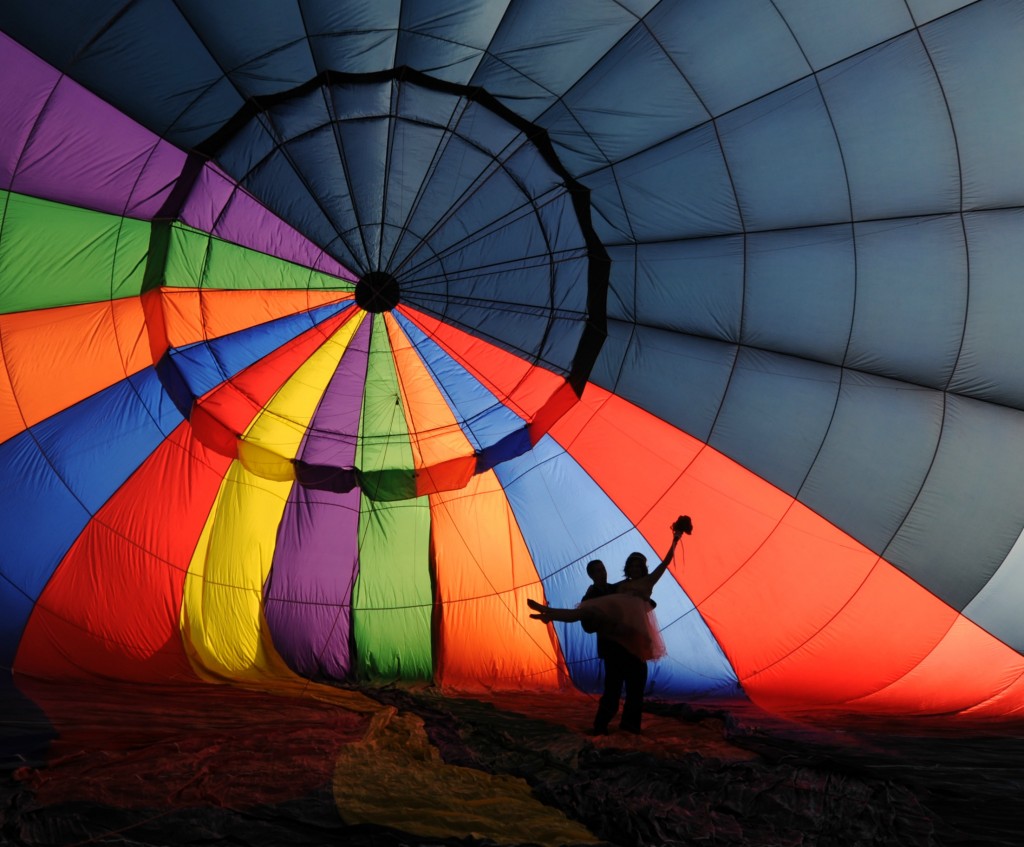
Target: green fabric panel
x: 393, y: 597
x: 196, y: 259
x: 52, y: 255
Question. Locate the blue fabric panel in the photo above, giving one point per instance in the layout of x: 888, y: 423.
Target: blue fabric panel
x: 148, y: 62
x: 928, y: 10
x: 322, y: 195
x: 693, y: 286
x: 59, y: 474
x: 784, y: 160
x: 989, y: 367
x: 912, y: 295
x: 40, y: 519
x: 800, y: 292
x: 984, y: 96
x: 679, y: 189
x: 680, y: 378
x: 295, y: 116
x: 411, y: 153
x: 365, y: 147
x: 652, y: 102
x: 206, y: 364
x: 353, y: 37
x: 956, y: 535
x: 282, y: 190
x: 446, y: 38
x: 484, y: 420
x: 262, y: 58
x: 894, y: 131
x: 877, y: 451
x: 775, y: 415
x: 731, y: 51
x: 566, y: 521
x: 845, y: 29
x: 551, y: 59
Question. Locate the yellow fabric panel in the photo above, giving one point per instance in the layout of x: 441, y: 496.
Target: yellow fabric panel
x: 435, y: 435
x: 485, y: 575
x: 222, y: 612
x: 396, y: 778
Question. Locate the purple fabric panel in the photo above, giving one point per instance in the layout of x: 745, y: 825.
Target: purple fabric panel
x: 27, y: 82
x: 218, y: 206
x: 316, y: 559
x: 81, y: 151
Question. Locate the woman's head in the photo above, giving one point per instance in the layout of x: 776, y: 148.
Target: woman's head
x: 636, y: 566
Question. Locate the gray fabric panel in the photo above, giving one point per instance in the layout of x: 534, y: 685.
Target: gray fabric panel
x: 967, y: 517
x: 911, y: 299
x: 990, y: 364
x: 731, y: 51
x: 800, y: 292
x: 877, y: 451
x: 678, y: 378
x: 996, y: 608
x: 985, y: 96
x: 634, y: 98
x: 894, y: 131
x: 829, y: 34
x: 679, y: 189
x: 688, y: 286
x: 784, y: 160
x: 775, y: 415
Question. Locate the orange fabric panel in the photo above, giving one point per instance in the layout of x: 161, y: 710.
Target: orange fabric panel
x: 1008, y: 703
x: 58, y: 357
x: 434, y: 434
x: 112, y: 608
x: 959, y: 673
x: 526, y: 386
x: 485, y: 576
x: 886, y: 627
x: 192, y: 314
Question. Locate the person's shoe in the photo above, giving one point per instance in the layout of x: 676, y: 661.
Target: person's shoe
x: 633, y: 730
x: 596, y: 730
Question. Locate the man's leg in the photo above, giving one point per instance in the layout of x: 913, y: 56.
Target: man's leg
x: 614, y: 675
x: 635, y: 675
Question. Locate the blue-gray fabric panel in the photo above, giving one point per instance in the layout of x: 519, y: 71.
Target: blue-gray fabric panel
x: 679, y: 378
x: 784, y: 160
x: 775, y: 415
x: 967, y: 516
x: 529, y: 64
x: 679, y: 189
x: 800, y: 292
x: 990, y: 364
x: 894, y: 130
x: 693, y: 286
x: 982, y: 94
x: 845, y: 29
x: 632, y: 99
x: 731, y: 51
x: 878, y: 449
x: 912, y: 298
x: 996, y: 607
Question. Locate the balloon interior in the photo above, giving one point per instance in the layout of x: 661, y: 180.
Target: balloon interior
x: 334, y: 335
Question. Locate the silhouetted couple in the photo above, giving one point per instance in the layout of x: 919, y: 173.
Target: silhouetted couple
x: 622, y: 616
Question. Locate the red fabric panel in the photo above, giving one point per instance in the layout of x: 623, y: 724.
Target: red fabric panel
x: 227, y: 410
x: 112, y: 607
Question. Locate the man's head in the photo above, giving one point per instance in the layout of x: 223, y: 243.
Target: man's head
x: 597, y: 572
x: 636, y: 566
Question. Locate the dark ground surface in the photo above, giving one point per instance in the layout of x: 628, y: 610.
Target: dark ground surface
x: 216, y: 766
